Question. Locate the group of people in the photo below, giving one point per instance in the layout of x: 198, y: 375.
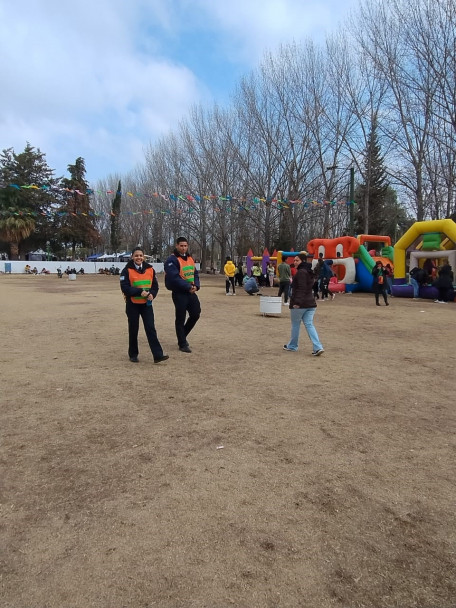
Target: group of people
x: 34, y: 270
x: 110, y: 271
x: 139, y: 286
x: 323, y: 273
x: 442, y: 279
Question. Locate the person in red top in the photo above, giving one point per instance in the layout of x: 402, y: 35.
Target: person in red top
x: 139, y: 286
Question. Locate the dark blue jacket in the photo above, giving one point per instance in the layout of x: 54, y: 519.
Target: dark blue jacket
x: 173, y: 280
x: 135, y: 292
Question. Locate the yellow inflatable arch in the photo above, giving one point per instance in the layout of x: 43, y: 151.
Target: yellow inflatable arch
x: 446, y: 227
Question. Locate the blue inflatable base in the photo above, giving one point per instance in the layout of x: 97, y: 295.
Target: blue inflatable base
x: 406, y: 291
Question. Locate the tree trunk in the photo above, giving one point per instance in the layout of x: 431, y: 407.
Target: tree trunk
x: 14, y: 251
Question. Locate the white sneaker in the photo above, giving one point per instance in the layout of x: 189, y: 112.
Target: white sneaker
x: 228, y: 294
x: 333, y: 295
x: 233, y: 294
x: 441, y: 302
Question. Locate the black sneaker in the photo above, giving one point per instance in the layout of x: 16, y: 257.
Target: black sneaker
x: 185, y: 349
x: 134, y: 359
x: 162, y: 358
x: 317, y: 353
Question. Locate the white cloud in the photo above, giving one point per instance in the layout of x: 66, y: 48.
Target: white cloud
x: 102, y: 78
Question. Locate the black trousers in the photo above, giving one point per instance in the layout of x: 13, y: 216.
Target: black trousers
x: 134, y: 311
x: 284, y: 288
x: 184, y: 303
x: 380, y: 289
x: 324, y: 286
x: 230, y: 281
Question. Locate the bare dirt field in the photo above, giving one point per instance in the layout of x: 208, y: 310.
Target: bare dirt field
x: 238, y: 475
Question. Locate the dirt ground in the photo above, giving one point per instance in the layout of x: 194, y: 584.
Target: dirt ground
x: 238, y: 475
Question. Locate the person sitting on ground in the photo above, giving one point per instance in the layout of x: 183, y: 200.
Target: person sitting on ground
x: 27, y: 269
x: 34, y: 270
x: 251, y: 285
x: 417, y: 277
x: 444, y: 284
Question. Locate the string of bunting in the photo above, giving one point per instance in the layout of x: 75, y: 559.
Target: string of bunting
x: 243, y: 203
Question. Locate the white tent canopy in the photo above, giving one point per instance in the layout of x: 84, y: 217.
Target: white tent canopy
x: 107, y: 257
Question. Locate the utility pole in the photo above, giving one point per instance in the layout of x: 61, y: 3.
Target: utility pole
x: 351, y: 221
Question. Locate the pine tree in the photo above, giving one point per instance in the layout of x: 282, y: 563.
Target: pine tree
x: 371, y: 195
x: 115, y: 219
x: 77, y: 225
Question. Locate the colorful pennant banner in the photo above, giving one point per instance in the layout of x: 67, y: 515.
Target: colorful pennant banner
x: 254, y: 201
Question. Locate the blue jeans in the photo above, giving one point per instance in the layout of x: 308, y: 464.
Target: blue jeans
x: 305, y: 315
x: 416, y: 287
x: 389, y: 282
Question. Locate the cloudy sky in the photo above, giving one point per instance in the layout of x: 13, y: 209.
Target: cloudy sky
x: 102, y: 79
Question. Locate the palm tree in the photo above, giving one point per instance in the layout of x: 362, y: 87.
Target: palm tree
x: 14, y: 229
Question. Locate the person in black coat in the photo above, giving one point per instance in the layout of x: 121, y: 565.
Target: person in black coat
x: 379, y: 284
x: 444, y: 284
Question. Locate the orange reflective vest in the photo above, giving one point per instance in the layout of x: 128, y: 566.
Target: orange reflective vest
x: 187, y: 269
x: 141, y: 280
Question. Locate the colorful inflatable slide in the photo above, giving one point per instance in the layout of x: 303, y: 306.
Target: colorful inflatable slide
x: 352, y: 262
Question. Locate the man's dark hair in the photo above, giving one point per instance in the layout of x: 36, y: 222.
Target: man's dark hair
x: 181, y: 239
x: 137, y: 249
